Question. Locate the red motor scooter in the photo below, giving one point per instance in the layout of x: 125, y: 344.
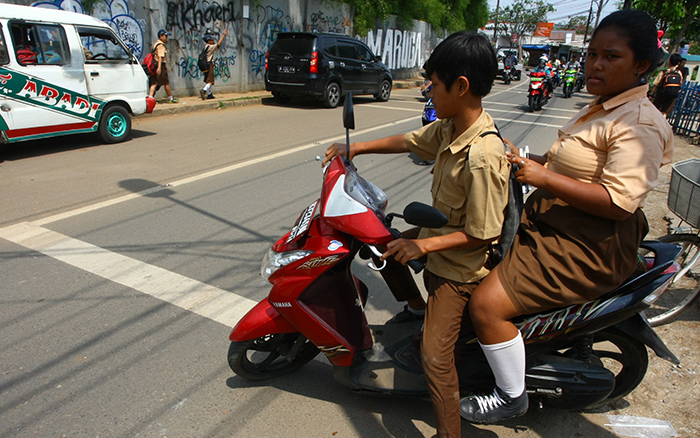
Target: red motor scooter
x: 578, y: 356
x: 538, y: 93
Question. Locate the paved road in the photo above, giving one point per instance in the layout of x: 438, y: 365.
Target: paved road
x: 125, y: 266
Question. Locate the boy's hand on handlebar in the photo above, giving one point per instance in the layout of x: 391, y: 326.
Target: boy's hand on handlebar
x: 335, y: 150
x: 403, y: 250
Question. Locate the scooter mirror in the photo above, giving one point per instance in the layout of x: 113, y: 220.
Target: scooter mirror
x: 348, y: 113
x: 423, y: 215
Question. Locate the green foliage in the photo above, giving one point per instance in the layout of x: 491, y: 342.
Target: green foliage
x: 450, y: 14
x: 694, y: 49
x: 679, y: 19
x: 522, y: 16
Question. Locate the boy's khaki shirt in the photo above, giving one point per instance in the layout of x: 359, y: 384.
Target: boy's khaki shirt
x: 472, y: 192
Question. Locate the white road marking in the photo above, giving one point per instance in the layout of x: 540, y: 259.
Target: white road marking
x: 197, y: 297
x: 208, y: 301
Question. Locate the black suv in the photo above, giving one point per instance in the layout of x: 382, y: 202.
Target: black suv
x: 326, y: 65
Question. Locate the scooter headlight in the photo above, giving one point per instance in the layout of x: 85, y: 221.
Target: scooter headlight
x: 274, y: 260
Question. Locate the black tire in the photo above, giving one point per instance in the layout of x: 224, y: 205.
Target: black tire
x: 264, y: 358
x: 115, y: 124
x: 332, y: 95
x: 625, y: 357
x: 532, y: 102
x: 539, y: 102
x: 685, y: 289
x: 384, y: 91
x: 281, y: 98
x: 517, y: 76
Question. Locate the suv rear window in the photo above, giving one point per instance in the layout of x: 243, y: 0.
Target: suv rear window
x: 295, y: 45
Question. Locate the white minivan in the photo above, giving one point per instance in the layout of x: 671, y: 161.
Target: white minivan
x: 66, y: 73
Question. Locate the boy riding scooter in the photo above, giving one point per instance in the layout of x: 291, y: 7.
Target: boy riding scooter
x: 470, y: 186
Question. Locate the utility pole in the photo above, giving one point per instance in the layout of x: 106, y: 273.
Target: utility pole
x: 588, y: 23
x: 495, y: 22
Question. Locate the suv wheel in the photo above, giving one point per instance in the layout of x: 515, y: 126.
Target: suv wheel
x: 331, y: 95
x: 384, y: 91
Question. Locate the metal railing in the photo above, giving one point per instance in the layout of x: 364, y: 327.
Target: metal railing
x: 685, y: 117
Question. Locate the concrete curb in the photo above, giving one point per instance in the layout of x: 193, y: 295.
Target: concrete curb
x: 193, y: 103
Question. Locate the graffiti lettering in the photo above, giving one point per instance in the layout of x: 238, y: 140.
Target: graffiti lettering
x: 187, y: 67
x: 186, y: 15
x: 323, y: 23
x: 399, y: 49
x: 257, y: 61
x: 130, y: 29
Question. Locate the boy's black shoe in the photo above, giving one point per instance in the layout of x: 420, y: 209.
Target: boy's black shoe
x: 487, y: 409
x: 211, y: 96
x: 405, y: 316
x: 203, y: 94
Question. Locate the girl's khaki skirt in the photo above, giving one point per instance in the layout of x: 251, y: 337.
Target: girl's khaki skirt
x: 563, y: 256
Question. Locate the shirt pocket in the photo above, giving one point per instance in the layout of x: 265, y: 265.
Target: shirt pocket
x: 451, y: 202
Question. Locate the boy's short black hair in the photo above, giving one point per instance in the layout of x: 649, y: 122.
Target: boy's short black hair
x: 465, y: 54
x: 675, y: 59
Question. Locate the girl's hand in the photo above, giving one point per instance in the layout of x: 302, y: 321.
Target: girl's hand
x: 403, y: 250
x: 335, y: 150
x: 531, y: 172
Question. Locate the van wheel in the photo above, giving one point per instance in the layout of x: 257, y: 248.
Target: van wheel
x: 384, y: 91
x: 331, y: 95
x: 115, y: 124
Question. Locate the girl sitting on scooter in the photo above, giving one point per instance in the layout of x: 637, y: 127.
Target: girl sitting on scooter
x: 581, y: 228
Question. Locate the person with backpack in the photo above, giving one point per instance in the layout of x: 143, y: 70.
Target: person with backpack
x: 470, y: 186
x: 160, y: 78
x: 667, y: 85
x: 209, y: 76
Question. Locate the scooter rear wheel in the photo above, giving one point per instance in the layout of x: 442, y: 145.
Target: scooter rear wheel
x: 624, y: 356
x: 266, y: 357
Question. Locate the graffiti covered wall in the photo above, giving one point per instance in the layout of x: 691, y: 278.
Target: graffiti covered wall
x: 239, y: 64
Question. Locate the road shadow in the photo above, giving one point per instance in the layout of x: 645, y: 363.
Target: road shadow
x: 374, y: 415
x: 314, y: 103
x: 48, y: 146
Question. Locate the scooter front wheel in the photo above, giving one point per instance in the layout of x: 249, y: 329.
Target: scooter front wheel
x: 532, y: 103
x: 270, y: 356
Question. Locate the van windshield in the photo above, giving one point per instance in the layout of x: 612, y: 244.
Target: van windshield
x: 295, y: 45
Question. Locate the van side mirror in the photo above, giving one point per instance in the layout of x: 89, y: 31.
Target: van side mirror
x: 377, y: 59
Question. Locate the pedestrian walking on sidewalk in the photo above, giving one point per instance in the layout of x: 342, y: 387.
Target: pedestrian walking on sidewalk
x: 211, y: 47
x: 160, y: 79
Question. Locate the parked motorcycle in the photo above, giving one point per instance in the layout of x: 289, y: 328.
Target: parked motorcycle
x: 569, y: 82
x: 577, y: 357
x: 538, y: 92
